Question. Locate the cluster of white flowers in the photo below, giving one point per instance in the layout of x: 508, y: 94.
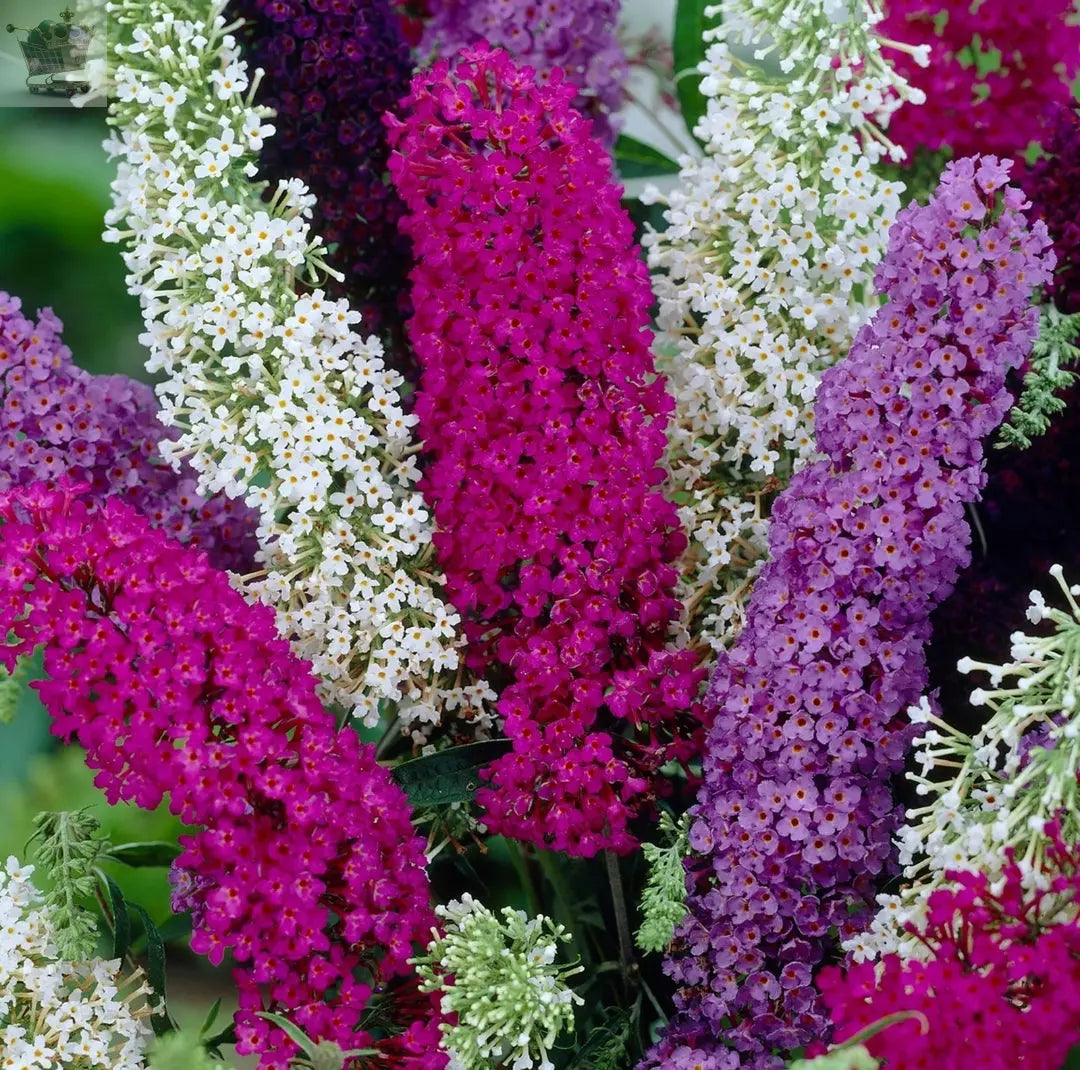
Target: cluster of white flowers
x: 501, y: 983
x: 56, y: 1014
x: 1000, y: 787
x: 278, y: 399
x: 765, y: 270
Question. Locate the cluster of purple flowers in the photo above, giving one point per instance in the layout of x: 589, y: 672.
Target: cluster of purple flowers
x: 576, y: 36
x: 331, y: 70
x: 58, y: 420
x: 1054, y: 187
x: 795, y: 817
x: 544, y: 418
x: 305, y: 865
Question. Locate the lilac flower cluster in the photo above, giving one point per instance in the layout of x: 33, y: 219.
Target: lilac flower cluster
x: 331, y: 70
x: 57, y: 419
x: 577, y: 36
x: 795, y: 817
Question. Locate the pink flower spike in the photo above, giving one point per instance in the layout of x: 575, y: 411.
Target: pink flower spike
x: 305, y: 863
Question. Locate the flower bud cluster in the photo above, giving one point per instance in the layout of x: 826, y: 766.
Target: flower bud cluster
x: 499, y: 980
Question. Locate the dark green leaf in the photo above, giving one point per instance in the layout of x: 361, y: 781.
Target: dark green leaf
x: 645, y: 217
x: 635, y: 159
x: 121, y: 920
x: 176, y: 928
x: 1072, y: 1060
x: 688, y: 48
x: 149, y: 853
x: 449, y: 776
x: 155, y: 969
x: 226, y: 1036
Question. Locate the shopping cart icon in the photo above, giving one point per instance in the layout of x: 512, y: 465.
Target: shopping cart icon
x: 55, y: 55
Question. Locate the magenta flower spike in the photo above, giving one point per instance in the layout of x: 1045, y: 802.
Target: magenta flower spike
x: 972, y: 104
x: 304, y: 865
x: 999, y: 973
x: 544, y: 420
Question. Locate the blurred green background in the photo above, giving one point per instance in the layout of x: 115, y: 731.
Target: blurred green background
x: 54, y: 191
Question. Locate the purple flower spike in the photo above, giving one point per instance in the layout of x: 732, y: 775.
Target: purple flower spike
x: 795, y: 816
x: 332, y: 69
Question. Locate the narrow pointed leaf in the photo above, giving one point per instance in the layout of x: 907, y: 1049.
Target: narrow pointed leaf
x: 143, y: 854
x: 688, y: 48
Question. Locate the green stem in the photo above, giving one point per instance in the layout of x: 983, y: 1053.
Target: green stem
x: 521, y: 868
x: 622, y: 920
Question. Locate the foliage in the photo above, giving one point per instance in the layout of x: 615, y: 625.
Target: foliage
x: 1047, y: 374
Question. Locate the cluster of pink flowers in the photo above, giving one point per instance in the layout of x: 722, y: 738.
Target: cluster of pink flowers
x: 576, y: 37
x: 544, y: 421
x: 58, y: 420
x: 794, y: 819
x: 306, y: 868
x: 1001, y: 976
x: 969, y: 108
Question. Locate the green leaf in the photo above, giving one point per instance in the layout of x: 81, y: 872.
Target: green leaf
x: 449, y: 776
x: 294, y: 1032
x: 226, y: 1036
x: 635, y: 159
x: 688, y: 48
x: 148, y: 853
x: 155, y: 969
x: 121, y: 919
x: 645, y: 217
x: 176, y: 928
x: 211, y: 1017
